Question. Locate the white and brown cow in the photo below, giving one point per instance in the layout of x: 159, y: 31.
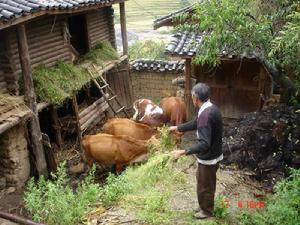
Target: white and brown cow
x: 147, y: 112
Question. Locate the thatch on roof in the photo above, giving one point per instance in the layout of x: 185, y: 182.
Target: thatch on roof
x: 12, y: 111
x: 57, y: 83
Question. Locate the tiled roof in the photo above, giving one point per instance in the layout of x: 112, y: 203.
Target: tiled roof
x: 157, y: 65
x: 184, y: 44
x: 10, y: 9
x: 162, y: 21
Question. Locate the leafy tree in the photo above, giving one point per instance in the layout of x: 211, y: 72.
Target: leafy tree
x: 266, y: 29
x: 148, y: 48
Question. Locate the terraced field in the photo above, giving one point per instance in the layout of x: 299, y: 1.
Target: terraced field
x: 141, y: 13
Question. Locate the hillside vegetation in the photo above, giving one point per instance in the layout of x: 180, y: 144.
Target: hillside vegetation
x: 140, y: 13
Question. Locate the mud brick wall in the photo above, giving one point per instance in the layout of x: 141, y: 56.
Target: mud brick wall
x: 14, y: 158
x: 153, y: 85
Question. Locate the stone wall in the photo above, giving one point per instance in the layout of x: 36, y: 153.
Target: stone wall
x: 14, y: 158
x: 153, y: 85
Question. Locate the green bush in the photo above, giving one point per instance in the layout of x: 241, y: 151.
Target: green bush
x: 220, y: 207
x: 114, y: 188
x: 153, y: 208
x: 282, y: 208
x: 54, y: 202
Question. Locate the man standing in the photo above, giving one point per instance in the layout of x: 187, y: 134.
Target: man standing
x: 208, y: 149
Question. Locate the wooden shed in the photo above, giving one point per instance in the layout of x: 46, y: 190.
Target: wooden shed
x: 34, y: 33
x: 237, y: 84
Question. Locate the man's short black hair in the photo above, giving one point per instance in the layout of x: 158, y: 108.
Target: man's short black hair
x: 201, y: 91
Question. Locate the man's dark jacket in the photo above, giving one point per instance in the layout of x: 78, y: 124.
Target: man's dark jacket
x: 210, y: 128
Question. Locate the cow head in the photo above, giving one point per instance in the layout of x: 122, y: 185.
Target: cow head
x: 147, y: 112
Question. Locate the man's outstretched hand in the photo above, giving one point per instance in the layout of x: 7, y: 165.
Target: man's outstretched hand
x: 173, y: 128
x: 177, y: 153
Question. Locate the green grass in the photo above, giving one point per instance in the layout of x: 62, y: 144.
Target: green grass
x: 101, y: 53
x: 282, y: 208
x: 146, y: 189
x: 57, y: 83
x: 54, y: 202
x: 140, y: 14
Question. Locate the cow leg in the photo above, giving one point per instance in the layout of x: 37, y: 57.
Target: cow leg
x: 89, y: 161
x: 119, y: 168
x: 113, y: 169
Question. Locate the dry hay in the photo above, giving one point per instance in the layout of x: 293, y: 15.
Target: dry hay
x: 8, y: 102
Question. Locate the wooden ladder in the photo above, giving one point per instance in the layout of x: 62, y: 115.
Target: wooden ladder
x: 112, y: 96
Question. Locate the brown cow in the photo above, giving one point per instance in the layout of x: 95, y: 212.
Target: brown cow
x: 174, y: 110
x: 113, y: 149
x: 124, y: 126
x: 147, y: 112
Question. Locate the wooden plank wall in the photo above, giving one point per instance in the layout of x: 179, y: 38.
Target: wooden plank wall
x: 236, y: 87
x: 100, y: 26
x: 46, y: 42
x: 120, y: 82
x: 3, y: 88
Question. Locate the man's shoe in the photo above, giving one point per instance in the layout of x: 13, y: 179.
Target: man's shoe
x: 196, y: 210
x: 202, y: 215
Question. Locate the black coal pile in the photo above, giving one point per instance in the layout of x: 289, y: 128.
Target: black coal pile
x: 266, y: 142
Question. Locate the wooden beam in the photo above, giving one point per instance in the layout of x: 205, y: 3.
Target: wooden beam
x: 76, y: 113
x: 30, y: 101
x: 187, y: 92
x: 123, y: 28
x: 17, y: 219
x: 49, y: 153
x: 56, y: 126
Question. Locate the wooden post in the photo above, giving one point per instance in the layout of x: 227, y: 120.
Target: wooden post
x: 56, y: 126
x: 30, y: 100
x: 17, y: 219
x: 187, y: 92
x: 123, y: 28
x: 49, y: 153
x: 78, y: 128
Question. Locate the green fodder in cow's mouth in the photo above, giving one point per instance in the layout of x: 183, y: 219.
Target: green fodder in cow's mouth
x: 165, y: 142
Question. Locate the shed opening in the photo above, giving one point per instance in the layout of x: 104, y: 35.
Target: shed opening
x: 78, y: 33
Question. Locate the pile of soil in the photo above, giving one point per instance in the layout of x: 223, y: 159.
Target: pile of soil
x: 266, y: 142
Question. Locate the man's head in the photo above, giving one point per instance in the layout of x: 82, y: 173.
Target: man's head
x: 200, y: 94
